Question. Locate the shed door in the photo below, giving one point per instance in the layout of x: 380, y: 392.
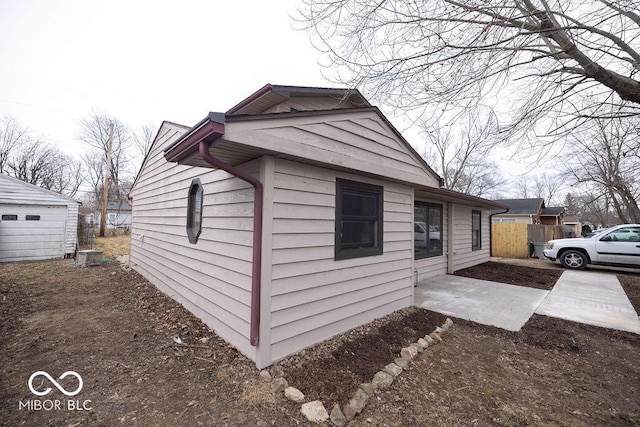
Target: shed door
x: 31, y: 232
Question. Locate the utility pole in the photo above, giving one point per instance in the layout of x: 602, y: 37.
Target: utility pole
x: 105, y: 183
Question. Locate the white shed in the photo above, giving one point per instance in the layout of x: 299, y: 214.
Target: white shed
x: 298, y: 214
x: 35, y: 223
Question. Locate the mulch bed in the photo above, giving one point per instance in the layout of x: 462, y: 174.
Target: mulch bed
x: 513, y: 274
x: 117, y: 330
x: 333, y: 370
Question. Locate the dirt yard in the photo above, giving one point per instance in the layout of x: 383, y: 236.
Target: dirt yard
x: 146, y: 361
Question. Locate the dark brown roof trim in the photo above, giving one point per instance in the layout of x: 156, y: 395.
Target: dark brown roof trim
x: 461, y: 196
x: 211, y: 127
x: 286, y: 91
x: 248, y: 100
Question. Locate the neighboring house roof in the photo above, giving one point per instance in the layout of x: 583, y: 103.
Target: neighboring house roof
x: 121, y: 206
x: 523, y: 206
x: 13, y: 190
x: 553, y: 211
x: 571, y: 219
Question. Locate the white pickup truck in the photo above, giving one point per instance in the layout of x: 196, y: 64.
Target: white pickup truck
x: 619, y: 245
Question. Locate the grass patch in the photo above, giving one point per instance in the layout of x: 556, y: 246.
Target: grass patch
x: 111, y: 246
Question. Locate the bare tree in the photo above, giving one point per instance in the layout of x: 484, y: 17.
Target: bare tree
x: 94, y: 131
x: 594, y: 207
x: 572, y: 205
x: 94, y: 162
x: 142, y: 140
x: 567, y: 57
x: 602, y: 163
x: 12, y: 135
x: 66, y: 177
x: 522, y: 186
x: 547, y: 186
x: 461, y: 149
x: 41, y: 164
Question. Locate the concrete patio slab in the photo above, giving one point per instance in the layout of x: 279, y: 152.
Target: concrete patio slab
x: 490, y: 303
x: 592, y: 298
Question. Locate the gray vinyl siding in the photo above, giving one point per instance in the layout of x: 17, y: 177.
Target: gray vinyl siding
x: 353, y: 141
x: 435, y: 266
x: 313, y: 296
x: 211, y: 278
x: 465, y: 256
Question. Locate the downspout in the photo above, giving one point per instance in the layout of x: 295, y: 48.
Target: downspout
x: 491, y: 229
x: 257, y: 236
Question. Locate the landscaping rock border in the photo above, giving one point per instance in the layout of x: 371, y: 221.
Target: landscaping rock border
x: 340, y: 416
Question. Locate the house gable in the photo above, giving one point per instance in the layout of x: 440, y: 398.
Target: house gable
x: 212, y: 278
x: 167, y: 134
x: 331, y: 128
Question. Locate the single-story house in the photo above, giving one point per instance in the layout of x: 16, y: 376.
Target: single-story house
x: 553, y: 215
x: 35, y: 223
x: 118, y: 215
x: 520, y: 211
x: 530, y: 211
x: 298, y: 214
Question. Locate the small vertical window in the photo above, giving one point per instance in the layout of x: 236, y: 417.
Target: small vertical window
x: 358, y: 220
x: 194, y: 211
x: 32, y: 217
x: 427, y: 230
x: 476, y: 230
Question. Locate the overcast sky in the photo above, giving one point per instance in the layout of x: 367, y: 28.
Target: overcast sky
x: 143, y: 61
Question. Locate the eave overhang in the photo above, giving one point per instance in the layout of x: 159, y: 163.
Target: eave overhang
x: 445, y: 195
x: 208, y: 129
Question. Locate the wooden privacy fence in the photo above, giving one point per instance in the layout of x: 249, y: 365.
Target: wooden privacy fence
x: 511, y: 240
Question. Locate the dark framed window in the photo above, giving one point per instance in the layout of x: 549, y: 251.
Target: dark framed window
x: 476, y: 230
x: 359, y: 220
x: 427, y: 230
x: 7, y: 217
x: 194, y: 210
x: 32, y: 217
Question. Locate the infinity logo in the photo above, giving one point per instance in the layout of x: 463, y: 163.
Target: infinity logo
x: 58, y: 386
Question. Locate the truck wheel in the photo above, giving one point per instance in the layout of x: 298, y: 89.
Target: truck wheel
x: 574, y: 260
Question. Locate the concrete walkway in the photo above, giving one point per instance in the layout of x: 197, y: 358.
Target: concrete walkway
x: 592, y: 298
x: 586, y: 297
x: 490, y: 303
